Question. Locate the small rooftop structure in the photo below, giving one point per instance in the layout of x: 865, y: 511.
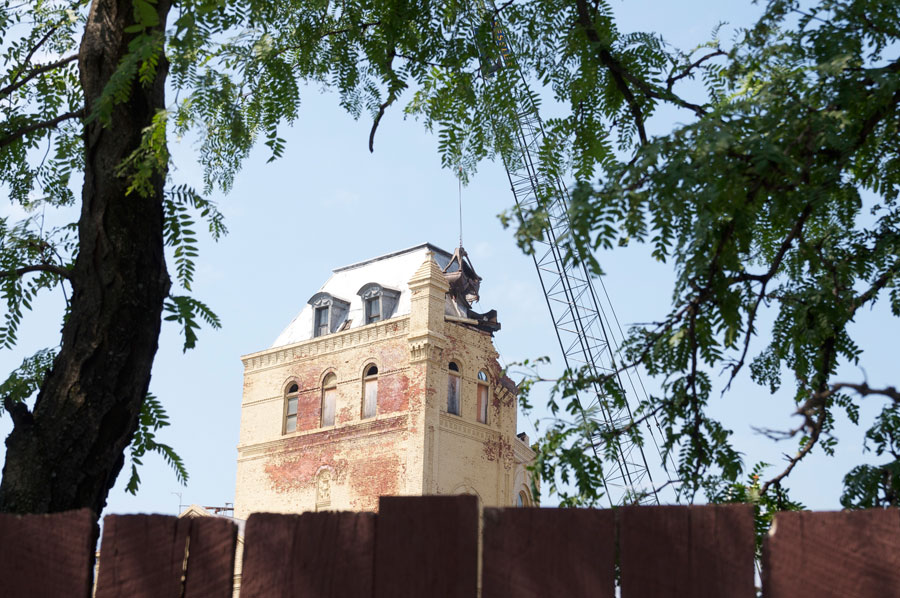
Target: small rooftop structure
x: 200, y: 511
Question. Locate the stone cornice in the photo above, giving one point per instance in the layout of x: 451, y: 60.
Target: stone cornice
x: 523, y: 452
x: 355, y: 337
x: 370, y: 427
x: 457, y: 425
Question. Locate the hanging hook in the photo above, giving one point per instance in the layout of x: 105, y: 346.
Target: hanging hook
x: 460, y: 206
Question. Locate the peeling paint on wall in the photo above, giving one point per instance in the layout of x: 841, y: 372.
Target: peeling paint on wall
x: 375, y: 476
x: 294, y: 465
x: 411, y: 445
x: 499, y: 449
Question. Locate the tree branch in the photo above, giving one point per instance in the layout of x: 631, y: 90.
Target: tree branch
x: 688, y: 71
x: 427, y: 62
x: 47, y: 124
x: 816, y: 430
x: 360, y: 27
x: 814, y: 404
x: 34, y: 49
x: 53, y: 268
x: 616, y: 70
x: 865, y: 390
x: 795, y: 232
x: 879, y: 283
x: 34, y: 73
x: 392, y: 95
x: 18, y: 411
x: 503, y: 7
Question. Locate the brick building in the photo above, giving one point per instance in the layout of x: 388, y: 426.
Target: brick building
x: 387, y: 382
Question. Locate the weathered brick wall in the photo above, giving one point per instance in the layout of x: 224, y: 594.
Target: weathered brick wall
x: 279, y: 472
x: 472, y: 456
x: 412, y: 446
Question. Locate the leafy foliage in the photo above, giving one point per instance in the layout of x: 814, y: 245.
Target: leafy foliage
x: 40, y: 149
x: 779, y: 198
x: 765, y: 505
x: 185, y: 311
x: 31, y: 260
x: 775, y: 201
x: 179, y: 228
x: 869, y: 486
x: 25, y: 380
x: 153, y: 417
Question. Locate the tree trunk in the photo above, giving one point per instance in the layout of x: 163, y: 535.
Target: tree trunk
x: 67, y: 453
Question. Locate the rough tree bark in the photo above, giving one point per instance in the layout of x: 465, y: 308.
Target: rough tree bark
x: 67, y: 453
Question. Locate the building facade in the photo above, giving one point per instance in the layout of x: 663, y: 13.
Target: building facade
x: 386, y: 383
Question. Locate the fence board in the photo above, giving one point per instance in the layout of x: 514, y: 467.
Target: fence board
x: 674, y: 551
x: 426, y: 546
x: 313, y: 554
x: 154, y: 555
x: 47, y: 555
x: 532, y: 552
x: 851, y: 554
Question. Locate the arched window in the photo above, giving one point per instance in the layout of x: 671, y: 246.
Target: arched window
x: 453, y: 386
x: 329, y: 396
x: 482, y: 397
x: 290, y: 408
x: 370, y: 392
x: 522, y: 499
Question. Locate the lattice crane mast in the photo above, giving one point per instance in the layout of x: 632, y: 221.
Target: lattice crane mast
x: 579, y: 317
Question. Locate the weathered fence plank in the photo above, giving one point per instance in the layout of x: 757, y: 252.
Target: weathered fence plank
x: 851, y: 554
x: 674, y: 551
x: 426, y: 546
x: 47, y: 555
x: 155, y: 555
x: 534, y: 552
x: 313, y: 554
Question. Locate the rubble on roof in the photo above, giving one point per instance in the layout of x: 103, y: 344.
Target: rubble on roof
x: 465, y: 285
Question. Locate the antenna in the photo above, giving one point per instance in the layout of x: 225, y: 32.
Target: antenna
x: 178, y: 494
x: 459, y: 178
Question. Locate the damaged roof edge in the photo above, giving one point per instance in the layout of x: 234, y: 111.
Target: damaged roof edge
x: 434, y: 248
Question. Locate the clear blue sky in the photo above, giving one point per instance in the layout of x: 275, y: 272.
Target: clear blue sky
x: 329, y: 202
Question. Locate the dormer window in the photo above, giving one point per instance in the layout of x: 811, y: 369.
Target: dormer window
x: 379, y: 302
x: 329, y: 313
x: 373, y: 309
x: 321, y: 321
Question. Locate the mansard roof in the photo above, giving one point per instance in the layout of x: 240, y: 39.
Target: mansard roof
x: 391, y: 272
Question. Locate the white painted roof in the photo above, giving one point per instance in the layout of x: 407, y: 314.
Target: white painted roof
x: 391, y: 271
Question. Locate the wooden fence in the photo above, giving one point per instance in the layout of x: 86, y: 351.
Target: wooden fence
x: 428, y: 547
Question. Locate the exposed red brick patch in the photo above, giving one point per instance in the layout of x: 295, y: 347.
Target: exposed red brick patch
x: 309, y: 410
x: 393, y: 393
x: 375, y: 476
x: 288, y: 472
x: 294, y: 464
x: 348, y: 414
x: 499, y: 449
x: 394, y: 354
